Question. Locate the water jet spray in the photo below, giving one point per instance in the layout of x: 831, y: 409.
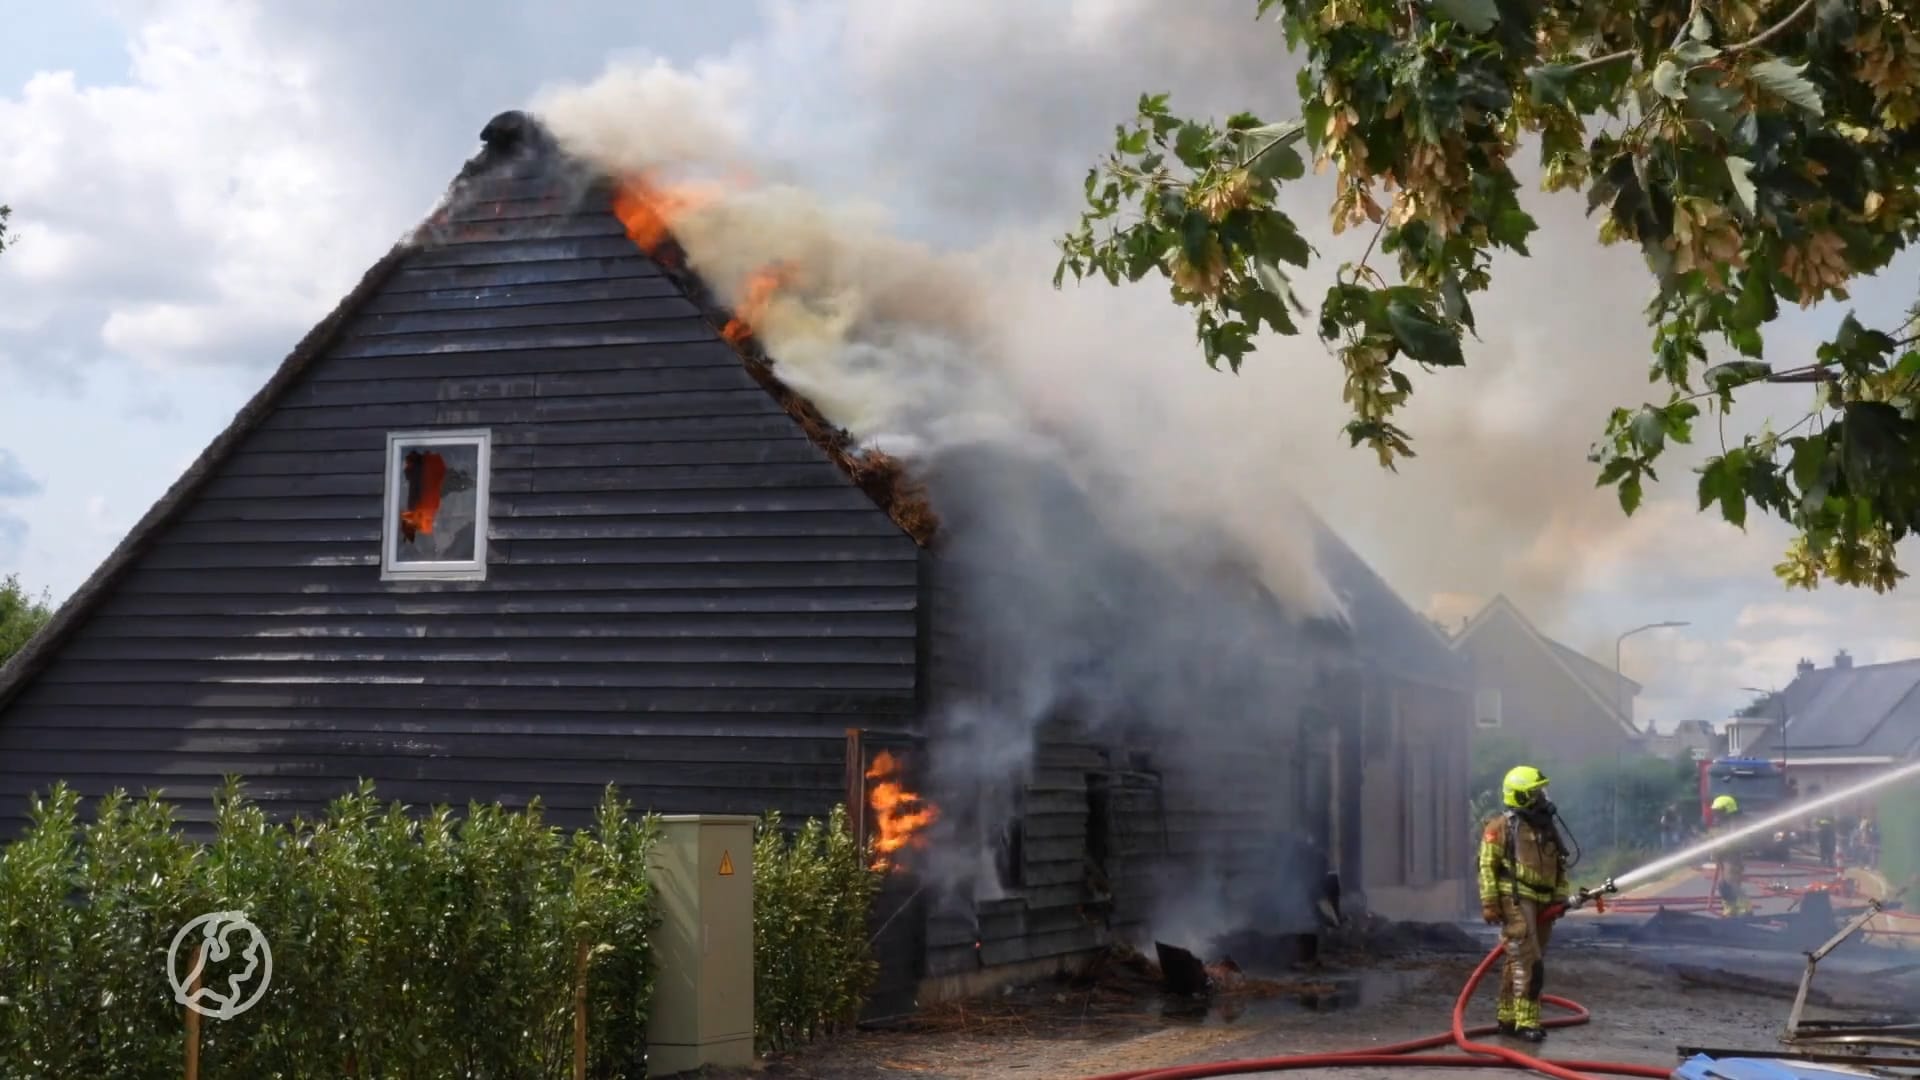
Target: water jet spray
x: 1681, y: 858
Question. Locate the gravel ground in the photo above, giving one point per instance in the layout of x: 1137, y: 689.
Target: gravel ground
x: 1640, y: 1014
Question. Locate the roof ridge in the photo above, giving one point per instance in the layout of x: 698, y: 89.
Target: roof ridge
x: 1553, y: 649
x: 518, y: 138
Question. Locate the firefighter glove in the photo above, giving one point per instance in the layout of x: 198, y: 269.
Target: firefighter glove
x: 1491, y: 914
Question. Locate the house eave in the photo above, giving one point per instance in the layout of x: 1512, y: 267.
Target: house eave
x: 39, y: 651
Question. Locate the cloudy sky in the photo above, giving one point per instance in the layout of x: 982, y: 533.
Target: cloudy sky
x: 195, y: 182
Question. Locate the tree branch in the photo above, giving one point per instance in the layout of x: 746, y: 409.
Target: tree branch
x: 1775, y: 30
x: 1599, y: 62
x: 1754, y: 42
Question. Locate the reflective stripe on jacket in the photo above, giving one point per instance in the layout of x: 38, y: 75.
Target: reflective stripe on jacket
x: 1518, y: 858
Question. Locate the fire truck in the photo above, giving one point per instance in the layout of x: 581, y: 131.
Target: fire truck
x: 1761, y: 787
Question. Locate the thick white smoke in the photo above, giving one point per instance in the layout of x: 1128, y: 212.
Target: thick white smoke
x: 1109, y: 558
x: 917, y: 352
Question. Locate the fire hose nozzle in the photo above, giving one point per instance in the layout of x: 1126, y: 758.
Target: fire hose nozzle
x: 1592, y: 893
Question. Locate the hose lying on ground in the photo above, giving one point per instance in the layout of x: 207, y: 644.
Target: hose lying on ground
x: 1407, y: 1054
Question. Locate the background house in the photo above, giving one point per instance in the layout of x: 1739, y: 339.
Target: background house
x: 1696, y: 738
x: 515, y: 521
x: 1565, y: 706
x: 1838, y: 724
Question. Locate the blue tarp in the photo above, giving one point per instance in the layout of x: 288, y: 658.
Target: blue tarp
x: 1701, y: 1067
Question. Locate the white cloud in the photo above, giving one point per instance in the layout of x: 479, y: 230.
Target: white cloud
x: 1780, y: 614
x: 205, y: 211
x: 15, y: 481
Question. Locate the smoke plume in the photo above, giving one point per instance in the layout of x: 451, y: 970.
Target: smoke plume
x: 1123, y: 528
x: 1104, y: 559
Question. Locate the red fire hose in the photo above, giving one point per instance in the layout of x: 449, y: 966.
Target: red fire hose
x: 1474, y: 1055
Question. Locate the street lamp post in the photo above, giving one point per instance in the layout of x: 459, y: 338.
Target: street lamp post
x: 1774, y: 696
x: 1620, y: 703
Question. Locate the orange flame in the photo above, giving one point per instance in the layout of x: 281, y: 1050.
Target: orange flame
x: 760, y: 287
x: 900, y: 814
x: 649, y: 208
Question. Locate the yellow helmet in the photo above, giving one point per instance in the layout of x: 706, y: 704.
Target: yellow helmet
x: 1726, y: 804
x: 1523, y: 786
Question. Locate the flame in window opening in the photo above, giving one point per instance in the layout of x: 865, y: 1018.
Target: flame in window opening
x: 649, y: 207
x: 426, y: 473
x: 900, y: 815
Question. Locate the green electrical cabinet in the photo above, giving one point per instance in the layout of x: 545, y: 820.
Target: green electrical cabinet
x: 703, y: 985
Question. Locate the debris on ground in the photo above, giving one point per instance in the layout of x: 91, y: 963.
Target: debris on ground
x: 1066, y: 1029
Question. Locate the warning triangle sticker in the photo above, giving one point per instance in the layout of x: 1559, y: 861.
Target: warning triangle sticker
x: 726, y: 864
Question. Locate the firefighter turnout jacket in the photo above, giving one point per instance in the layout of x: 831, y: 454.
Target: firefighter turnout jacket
x: 1521, y: 860
x: 1523, y: 870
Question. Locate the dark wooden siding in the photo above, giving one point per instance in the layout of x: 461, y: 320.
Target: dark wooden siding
x: 685, y: 596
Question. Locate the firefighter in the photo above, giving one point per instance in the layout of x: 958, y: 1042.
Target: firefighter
x: 1824, y: 830
x: 1729, y: 859
x: 1523, y: 872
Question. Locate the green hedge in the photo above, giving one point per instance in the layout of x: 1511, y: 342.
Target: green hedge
x: 813, y: 959
x: 403, y: 946
x: 1899, y: 821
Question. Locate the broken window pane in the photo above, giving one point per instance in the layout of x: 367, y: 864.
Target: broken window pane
x: 434, y: 516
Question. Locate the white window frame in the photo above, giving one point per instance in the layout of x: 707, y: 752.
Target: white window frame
x: 398, y: 442
x: 1481, y: 698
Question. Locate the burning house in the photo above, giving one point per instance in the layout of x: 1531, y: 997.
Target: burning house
x: 529, y: 513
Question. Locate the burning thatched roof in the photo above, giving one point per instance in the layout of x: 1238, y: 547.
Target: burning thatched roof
x: 519, y: 161
x: 521, y: 164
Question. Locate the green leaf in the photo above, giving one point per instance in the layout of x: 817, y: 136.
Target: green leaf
x: 1786, y: 82
x: 1809, y: 461
x: 1738, y: 175
x: 1190, y: 145
x: 1756, y: 305
x: 1453, y: 299
x: 1132, y: 143
x: 1713, y: 104
x: 1550, y: 82
x: 1692, y: 53
x: 1315, y: 113
x: 1511, y: 227
x: 1736, y: 373
x: 1678, y: 419
x: 1747, y: 341
x: 1649, y: 431
x: 1424, y: 338
x: 1630, y: 494
x: 1474, y: 16
x: 1876, y: 439
x: 1283, y: 243
x: 1272, y: 278
x: 1616, y: 469
x: 1270, y: 153
x: 1723, y: 480
x: 1259, y: 306
x: 1669, y: 81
